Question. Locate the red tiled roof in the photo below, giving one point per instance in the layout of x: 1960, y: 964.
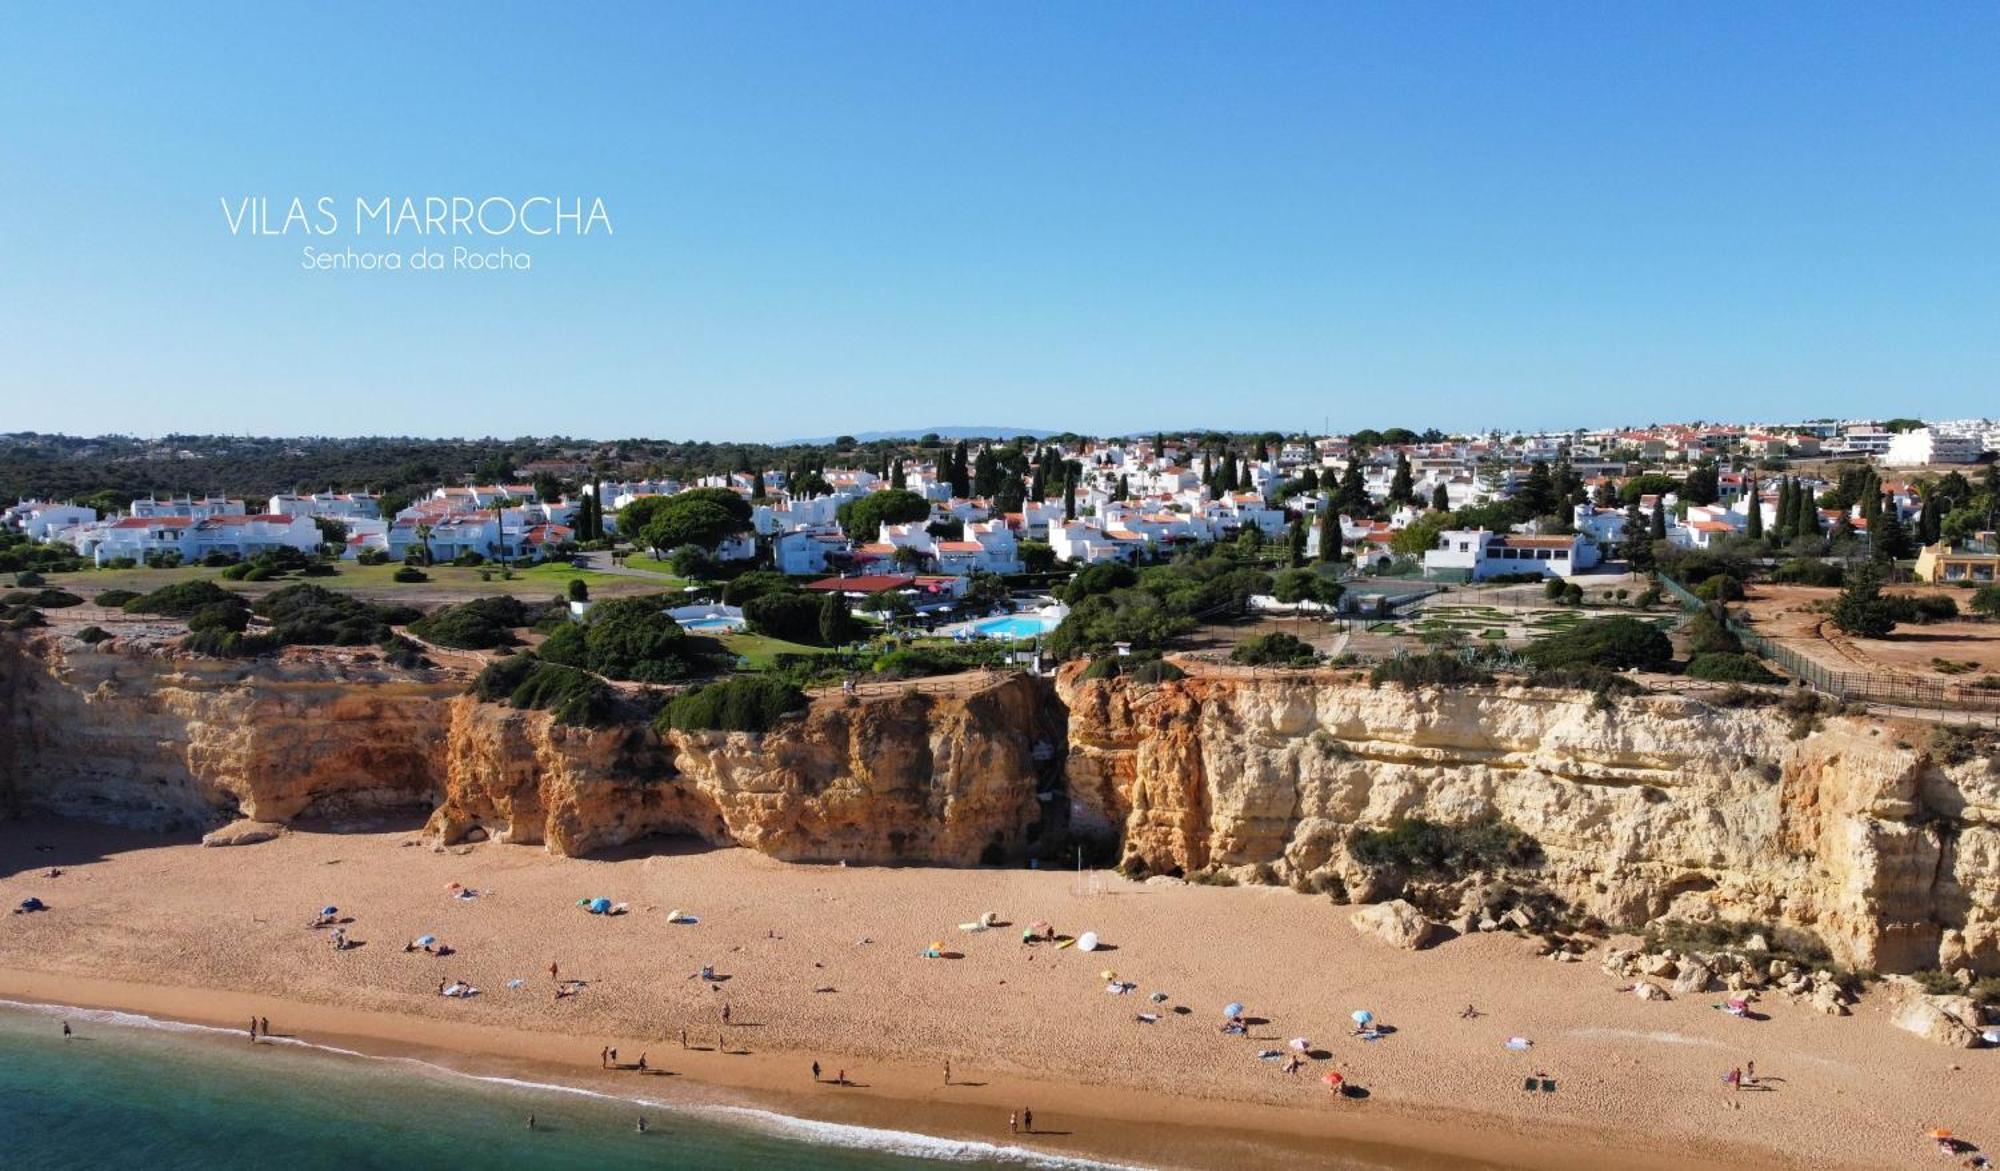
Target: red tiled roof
x: 867, y: 583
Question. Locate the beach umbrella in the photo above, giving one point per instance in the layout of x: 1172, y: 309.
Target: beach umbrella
x: 1042, y: 927
x: 1108, y: 974
x: 329, y: 910
x: 1941, y: 1132
x: 599, y: 905
x: 426, y: 940
x: 1233, y: 1008
x: 1159, y: 998
x: 1362, y: 1016
x: 1087, y: 941
x: 1301, y: 1044
x: 1333, y: 1079
x: 1518, y: 1043
x: 452, y: 886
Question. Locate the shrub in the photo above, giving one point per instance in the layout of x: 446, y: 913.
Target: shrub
x: 477, y: 625
x: 1274, y: 649
x: 1099, y: 579
x: 1420, y: 847
x: 28, y: 579
x: 627, y: 638
x: 1986, y: 601
x: 1787, y: 943
x: 529, y: 684
x: 1954, y: 745
x: 409, y: 575
x: 1708, y: 634
x: 1720, y: 588
x: 182, y: 599
x: 578, y: 590
x: 1921, y: 609
x: 1810, y: 571
x: 218, y: 617
x: 1596, y: 680
x: 1724, y: 667
x: 1150, y: 671
x: 371, y: 557
x: 756, y: 584
x: 310, y: 615
x: 1613, y: 643
x: 793, y: 617
x: 93, y: 634
x: 25, y: 618
x: 1436, y: 669
x: 746, y: 703
x: 113, y: 599
x: 47, y: 599
x: 1861, y: 609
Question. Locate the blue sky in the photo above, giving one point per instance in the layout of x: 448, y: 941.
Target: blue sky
x: 1098, y: 216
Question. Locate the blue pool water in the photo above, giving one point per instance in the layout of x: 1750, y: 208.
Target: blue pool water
x: 1013, y: 626
x: 712, y: 624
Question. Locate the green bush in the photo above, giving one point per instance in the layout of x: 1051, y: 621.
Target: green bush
x: 793, y: 617
x: 1722, y: 587
x: 1436, y: 669
x: 477, y: 625
x: 409, y: 575
x: 1420, y: 847
x: 1810, y: 571
x: 113, y: 599
x: 746, y: 703
x: 1708, y: 634
x: 529, y: 684
x: 1578, y: 677
x: 1725, y: 667
x: 1274, y: 649
x: 310, y: 615
x: 755, y: 584
x: 28, y: 579
x: 1921, y: 609
x: 47, y: 599
x: 1151, y: 671
x: 1612, y: 643
x: 93, y: 634
x: 182, y: 599
x: 628, y: 638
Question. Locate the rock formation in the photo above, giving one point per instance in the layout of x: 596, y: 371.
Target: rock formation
x: 1651, y: 807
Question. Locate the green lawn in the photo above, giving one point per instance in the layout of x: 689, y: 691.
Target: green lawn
x: 760, y: 651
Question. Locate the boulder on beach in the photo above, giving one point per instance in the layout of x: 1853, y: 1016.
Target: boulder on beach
x: 1928, y: 1017
x: 242, y: 833
x: 1395, y: 923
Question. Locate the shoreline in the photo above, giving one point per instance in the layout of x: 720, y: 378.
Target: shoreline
x: 824, y: 963
x: 1122, y: 1129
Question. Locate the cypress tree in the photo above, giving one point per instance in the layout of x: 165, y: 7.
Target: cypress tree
x: 1069, y: 498
x: 1660, y: 519
x: 1441, y: 499
x: 1298, y: 537
x: 1783, y: 520
x: 896, y: 480
x: 836, y: 625
x: 1124, y: 489
x: 1754, y: 517
x: 1402, y: 488
x: 1329, y: 532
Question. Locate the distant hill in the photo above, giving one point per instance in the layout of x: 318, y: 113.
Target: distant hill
x: 920, y: 432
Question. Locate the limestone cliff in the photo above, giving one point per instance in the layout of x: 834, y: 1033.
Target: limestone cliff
x: 1652, y: 806
x: 913, y: 777
x: 146, y: 737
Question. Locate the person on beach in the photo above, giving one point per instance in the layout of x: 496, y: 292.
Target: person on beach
x: 253, y: 1028
x: 1733, y: 1079
x: 642, y: 1063
x: 1750, y: 1072
x: 67, y: 1033
x: 1468, y: 1013
x: 1028, y: 1121
x: 684, y: 1038
x: 531, y: 1122
x: 614, y: 1057
x: 947, y: 1071
x: 842, y: 1079
x: 641, y: 1128
x: 815, y: 1067
x: 555, y: 972
x: 604, y: 1057
x: 264, y: 1026
x: 725, y: 1014
x: 1013, y: 1122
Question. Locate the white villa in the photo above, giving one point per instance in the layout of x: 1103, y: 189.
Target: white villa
x: 1477, y: 554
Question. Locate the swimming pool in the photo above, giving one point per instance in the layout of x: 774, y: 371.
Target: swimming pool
x: 1015, y: 626
x: 712, y: 624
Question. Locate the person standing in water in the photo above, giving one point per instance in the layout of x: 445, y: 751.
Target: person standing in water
x: 642, y: 1124
x: 264, y: 1026
x: 67, y: 1033
x: 253, y: 1028
x: 531, y: 1122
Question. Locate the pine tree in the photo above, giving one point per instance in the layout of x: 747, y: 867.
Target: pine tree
x: 756, y: 483
x: 1441, y: 498
x: 1352, y: 496
x: 1891, y: 540
x: 985, y: 473
x: 1753, y: 524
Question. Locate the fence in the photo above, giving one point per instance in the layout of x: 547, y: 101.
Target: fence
x: 1860, y: 686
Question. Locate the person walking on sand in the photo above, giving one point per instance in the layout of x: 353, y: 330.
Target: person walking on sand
x: 725, y: 1014
x: 815, y: 1064
x: 604, y: 1057
x: 1013, y: 1122
x: 947, y: 1071
x: 253, y: 1028
x: 684, y: 1038
x: 641, y: 1128
x: 842, y: 1079
x: 1028, y: 1121
x: 264, y: 1026
x: 531, y: 1122
x: 1750, y: 1072
x: 642, y: 1063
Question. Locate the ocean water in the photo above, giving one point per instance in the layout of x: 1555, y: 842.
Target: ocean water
x: 131, y: 1092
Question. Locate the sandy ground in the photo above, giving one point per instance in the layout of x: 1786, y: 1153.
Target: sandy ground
x: 163, y: 925
x: 1789, y: 614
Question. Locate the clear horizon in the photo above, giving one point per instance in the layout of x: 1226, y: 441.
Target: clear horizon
x: 1107, y: 220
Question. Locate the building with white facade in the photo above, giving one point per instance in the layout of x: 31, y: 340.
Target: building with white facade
x: 1477, y: 554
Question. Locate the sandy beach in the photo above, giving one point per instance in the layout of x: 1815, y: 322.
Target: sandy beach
x: 825, y: 963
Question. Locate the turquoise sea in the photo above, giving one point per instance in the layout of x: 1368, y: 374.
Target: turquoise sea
x: 129, y: 1092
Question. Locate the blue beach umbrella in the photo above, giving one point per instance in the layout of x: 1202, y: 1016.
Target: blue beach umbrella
x: 1232, y: 1009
